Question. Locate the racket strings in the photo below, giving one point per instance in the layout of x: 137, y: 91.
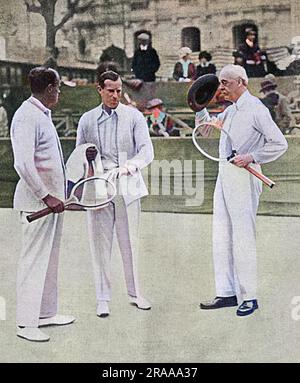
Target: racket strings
x: 94, y: 192
x: 219, y: 146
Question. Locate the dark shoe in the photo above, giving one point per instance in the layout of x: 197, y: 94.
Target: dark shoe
x: 219, y: 302
x: 247, y: 308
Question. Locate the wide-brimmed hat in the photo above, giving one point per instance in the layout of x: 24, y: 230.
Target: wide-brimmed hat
x: 202, y: 92
x: 184, y: 51
x: 267, y: 84
x: 153, y: 103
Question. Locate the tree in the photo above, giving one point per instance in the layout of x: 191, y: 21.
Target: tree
x: 46, y: 8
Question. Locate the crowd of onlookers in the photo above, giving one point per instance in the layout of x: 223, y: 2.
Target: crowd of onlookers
x: 146, y: 63
x: 281, y: 109
x: 256, y: 62
x: 249, y: 55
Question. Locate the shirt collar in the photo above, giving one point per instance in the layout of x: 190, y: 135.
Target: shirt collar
x: 242, y: 99
x: 103, y: 112
x: 183, y: 62
x: 39, y: 105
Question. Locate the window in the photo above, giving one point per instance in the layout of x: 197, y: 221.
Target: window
x: 139, y: 4
x: 190, y: 37
x: 82, y: 45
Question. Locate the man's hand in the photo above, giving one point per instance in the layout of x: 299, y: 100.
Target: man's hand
x: 91, y: 153
x: 127, y: 170
x: 242, y: 160
x: 55, y: 204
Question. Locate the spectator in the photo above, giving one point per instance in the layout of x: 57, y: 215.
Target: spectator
x: 294, y: 66
x: 205, y: 67
x: 294, y: 96
x: 276, y: 103
x: 253, y: 57
x: 4, y: 130
x: 184, y: 69
x: 159, y: 123
x: 145, y: 62
x: 238, y: 58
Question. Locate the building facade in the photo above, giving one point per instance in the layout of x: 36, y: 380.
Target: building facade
x: 215, y: 26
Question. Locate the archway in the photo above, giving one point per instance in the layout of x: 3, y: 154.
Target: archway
x: 117, y: 55
x: 190, y: 37
x: 239, y: 33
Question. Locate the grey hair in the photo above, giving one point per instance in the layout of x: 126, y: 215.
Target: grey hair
x: 235, y: 72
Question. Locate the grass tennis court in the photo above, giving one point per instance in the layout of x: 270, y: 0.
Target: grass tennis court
x: 176, y: 272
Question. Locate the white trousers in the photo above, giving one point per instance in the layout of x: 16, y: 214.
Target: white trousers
x: 101, y: 224
x: 37, y: 269
x: 236, y: 201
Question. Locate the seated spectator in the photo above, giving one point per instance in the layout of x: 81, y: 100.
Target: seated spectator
x: 205, y: 67
x: 159, y: 123
x: 276, y: 103
x: 184, y: 69
x: 253, y: 57
x: 238, y: 58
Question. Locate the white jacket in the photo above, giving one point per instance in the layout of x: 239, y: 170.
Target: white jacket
x: 38, y: 158
x: 133, y: 142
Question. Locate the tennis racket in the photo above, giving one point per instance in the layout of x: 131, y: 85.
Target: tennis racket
x: 211, y: 151
x: 92, y: 193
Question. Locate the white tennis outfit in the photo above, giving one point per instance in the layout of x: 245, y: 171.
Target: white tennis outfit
x: 237, y: 193
x: 38, y: 160
x: 121, y: 138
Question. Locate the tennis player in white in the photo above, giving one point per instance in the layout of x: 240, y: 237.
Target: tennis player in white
x: 121, y: 135
x: 258, y: 140
x: 38, y: 160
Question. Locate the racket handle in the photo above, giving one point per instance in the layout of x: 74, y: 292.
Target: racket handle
x: 39, y: 214
x: 267, y: 181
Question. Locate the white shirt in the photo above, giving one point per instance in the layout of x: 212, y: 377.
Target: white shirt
x: 107, y: 131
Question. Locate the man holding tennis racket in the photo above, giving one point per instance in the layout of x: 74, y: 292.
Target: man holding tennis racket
x: 38, y: 160
x: 121, y: 136
x: 257, y: 140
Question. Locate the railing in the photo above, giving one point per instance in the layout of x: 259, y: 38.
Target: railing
x: 66, y: 123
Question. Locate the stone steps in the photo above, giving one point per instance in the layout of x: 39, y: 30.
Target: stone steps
x: 221, y: 57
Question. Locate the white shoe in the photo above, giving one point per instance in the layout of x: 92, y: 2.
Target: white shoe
x: 140, y: 303
x: 56, y: 320
x: 32, y: 333
x: 102, y: 309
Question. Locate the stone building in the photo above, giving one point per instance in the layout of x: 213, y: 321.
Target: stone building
x: 216, y: 26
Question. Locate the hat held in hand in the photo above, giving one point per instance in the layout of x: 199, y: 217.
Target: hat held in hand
x: 202, y: 92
